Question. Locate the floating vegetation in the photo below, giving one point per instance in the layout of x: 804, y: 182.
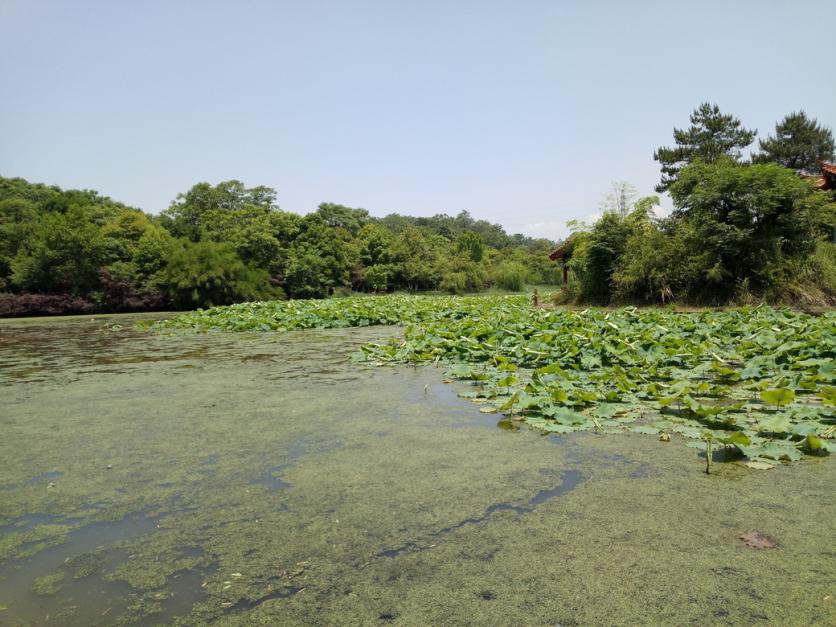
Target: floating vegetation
x: 196, y: 526
x: 336, y: 313
x: 48, y: 584
x: 758, y: 380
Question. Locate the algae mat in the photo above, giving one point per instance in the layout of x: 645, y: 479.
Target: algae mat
x: 266, y: 479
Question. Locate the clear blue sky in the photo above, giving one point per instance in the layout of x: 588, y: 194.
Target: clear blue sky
x: 521, y: 112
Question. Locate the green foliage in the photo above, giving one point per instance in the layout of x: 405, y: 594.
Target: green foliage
x: 608, y: 259
x: 701, y: 375
x: 63, y: 253
x: 603, y: 247
x: 712, y: 136
x: 151, y: 251
x: 376, y: 278
x: 749, y: 220
x: 799, y: 143
x: 375, y: 245
x: 82, y: 245
x: 821, y: 268
x: 321, y: 259
x: 309, y: 275
x: 73, y: 244
x: 204, y: 206
x: 740, y: 232
x: 339, y: 216
x: 651, y: 267
x: 416, y: 258
x: 17, y: 216
x: 454, y: 283
x: 778, y: 397
x: 471, y: 244
x: 511, y: 276
x: 204, y: 274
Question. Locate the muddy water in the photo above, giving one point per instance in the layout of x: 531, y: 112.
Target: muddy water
x: 266, y: 479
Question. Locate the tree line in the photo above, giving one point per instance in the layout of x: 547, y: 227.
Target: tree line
x: 742, y: 229
x: 72, y: 251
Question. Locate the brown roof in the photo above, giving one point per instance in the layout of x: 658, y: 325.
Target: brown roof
x: 828, y: 178
x: 564, y: 251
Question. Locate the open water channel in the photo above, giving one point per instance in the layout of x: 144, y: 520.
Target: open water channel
x: 267, y: 479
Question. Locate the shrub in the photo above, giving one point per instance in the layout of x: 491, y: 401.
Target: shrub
x: 19, y: 305
x: 118, y: 292
x: 454, y: 282
x: 511, y: 275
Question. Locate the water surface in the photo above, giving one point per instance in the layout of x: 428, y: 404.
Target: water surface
x: 267, y: 479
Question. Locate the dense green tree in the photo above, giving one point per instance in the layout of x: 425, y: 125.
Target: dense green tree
x: 247, y: 218
x: 42, y: 196
x: 123, y: 232
x: 151, y: 252
x: 663, y: 260
x: 535, y: 257
x: 309, y: 274
x: 492, y: 235
x: 395, y: 223
x: 749, y: 220
x: 348, y: 218
x: 597, y: 259
x: 415, y: 256
x: 376, y: 277
x: 206, y: 206
x: 799, y: 143
x: 250, y: 231
x: 470, y: 244
x: 321, y: 260
x: 442, y: 224
x: 18, y: 215
x: 374, y: 245
x: 205, y: 274
x: 712, y: 136
x: 63, y: 253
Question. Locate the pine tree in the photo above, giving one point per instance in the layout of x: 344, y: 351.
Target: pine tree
x: 712, y: 135
x: 798, y: 144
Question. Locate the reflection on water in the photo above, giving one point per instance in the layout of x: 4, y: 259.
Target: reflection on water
x: 79, y: 563
x: 55, y: 351
x: 267, y: 479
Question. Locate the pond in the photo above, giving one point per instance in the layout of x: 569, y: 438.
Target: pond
x: 152, y: 478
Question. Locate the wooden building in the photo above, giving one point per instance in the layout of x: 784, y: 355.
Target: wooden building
x: 827, y: 180
x: 563, y: 254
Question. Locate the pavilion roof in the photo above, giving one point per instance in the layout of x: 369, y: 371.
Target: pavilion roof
x: 827, y: 180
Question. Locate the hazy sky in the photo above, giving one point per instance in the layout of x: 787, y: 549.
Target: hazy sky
x: 521, y: 112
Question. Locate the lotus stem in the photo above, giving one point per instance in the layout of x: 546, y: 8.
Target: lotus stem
x: 708, y: 457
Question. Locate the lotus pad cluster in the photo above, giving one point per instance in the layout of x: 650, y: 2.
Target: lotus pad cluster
x: 758, y: 380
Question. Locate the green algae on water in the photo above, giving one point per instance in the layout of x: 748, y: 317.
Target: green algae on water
x: 392, y: 499
x: 48, y: 584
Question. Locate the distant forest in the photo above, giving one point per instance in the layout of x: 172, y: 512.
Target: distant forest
x: 742, y: 231
x: 71, y: 251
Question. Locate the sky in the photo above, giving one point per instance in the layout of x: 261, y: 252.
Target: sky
x: 520, y: 112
